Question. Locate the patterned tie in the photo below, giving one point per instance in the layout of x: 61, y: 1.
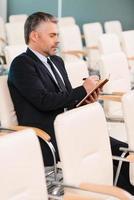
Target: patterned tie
x: 58, y: 78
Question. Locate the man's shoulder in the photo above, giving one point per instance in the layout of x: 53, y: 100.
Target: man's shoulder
x: 22, y: 58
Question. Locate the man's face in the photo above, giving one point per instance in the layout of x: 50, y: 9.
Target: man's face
x: 46, y: 38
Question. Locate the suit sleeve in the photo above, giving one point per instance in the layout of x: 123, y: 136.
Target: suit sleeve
x: 26, y: 81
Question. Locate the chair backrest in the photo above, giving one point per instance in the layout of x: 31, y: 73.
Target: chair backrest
x: 66, y: 21
x: 128, y: 113
x: 12, y: 51
x: 70, y: 40
x: 116, y: 66
x: 2, y: 35
x: 76, y: 70
x: 109, y: 43
x: 15, y: 33
x: 91, y: 32
x: 128, y: 48
x: 113, y: 27
x: 7, y: 113
x: 2, y: 28
x: 17, y: 18
x: 128, y: 42
x: 84, y: 146
x: 21, y: 170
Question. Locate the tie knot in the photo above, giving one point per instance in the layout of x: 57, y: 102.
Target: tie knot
x: 48, y: 61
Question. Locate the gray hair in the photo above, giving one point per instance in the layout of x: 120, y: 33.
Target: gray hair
x: 34, y: 20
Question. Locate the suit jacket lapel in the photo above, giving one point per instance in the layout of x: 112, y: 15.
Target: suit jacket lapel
x: 39, y: 63
x: 62, y: 71
x: 43, y: 68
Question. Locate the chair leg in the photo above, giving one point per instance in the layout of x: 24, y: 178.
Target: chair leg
x: 119, y: 168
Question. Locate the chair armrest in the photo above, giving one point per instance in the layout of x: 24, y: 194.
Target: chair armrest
x: 3, y: 40
x: 129, y: 158
x: 100, y: 189
x: 114, y: 96
x: 76, y: 197
x: 40, y: 133
x: 110, y: 97
x: 126, y: 150
x: 76, y: 53
x: 106, y: 189
x: 115, y: 119
x: 130, y: 58
x: 92, y: 47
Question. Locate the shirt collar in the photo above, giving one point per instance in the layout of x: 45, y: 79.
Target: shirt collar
x: 40, y: 56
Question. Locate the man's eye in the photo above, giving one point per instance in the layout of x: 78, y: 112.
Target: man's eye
x: 51, y: 36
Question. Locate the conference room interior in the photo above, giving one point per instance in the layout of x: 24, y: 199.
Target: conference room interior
x: 95, y: 38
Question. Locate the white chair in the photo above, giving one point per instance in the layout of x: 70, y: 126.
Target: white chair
x: 11, y: 51
x: 15, y: 33
x: 2, y: 35
x: 92, y: 31
x: 113, y: 27
x: 115, y: 66
x: 18, y: 18
x: 84, y: 146
x: 8, y: 116
x: 128, y: 111
x: 109, y: 43
x: 127, y: 42
x: 70, y: 43
x: 76, y: 70
x: 7, y: 113
x: 21, y: 170
x: 128, y: 47
x: 66, y: 21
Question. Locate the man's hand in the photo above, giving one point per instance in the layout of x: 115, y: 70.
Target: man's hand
x: 93, y: 97
x: 89, y: 84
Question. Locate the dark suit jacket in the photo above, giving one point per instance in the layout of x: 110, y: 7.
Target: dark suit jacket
x: 36, y: 96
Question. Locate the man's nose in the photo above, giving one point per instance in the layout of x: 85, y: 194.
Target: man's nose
x: 57, y: 40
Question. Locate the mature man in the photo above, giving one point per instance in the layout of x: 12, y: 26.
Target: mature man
x: 38, y: 82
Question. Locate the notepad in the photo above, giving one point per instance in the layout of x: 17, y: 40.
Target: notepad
x: 100, y: 84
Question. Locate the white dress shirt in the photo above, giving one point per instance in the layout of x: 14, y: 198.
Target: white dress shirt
x: 43, y: 59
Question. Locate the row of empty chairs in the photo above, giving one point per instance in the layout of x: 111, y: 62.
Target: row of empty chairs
x: 14, y: 21
x: 12, y: 37
x: 70, y: 38
x: 115, y: 67
x: 107, y: 43
x: 24, y: 177
x: 113, y: 26
x: 96, y: 42
x: 92, y: 31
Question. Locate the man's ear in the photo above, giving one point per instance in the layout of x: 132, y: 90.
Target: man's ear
x: 33, y: 36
